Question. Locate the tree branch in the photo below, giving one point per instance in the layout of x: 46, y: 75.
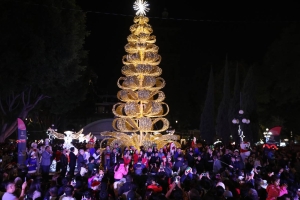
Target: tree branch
x: 1, y: 106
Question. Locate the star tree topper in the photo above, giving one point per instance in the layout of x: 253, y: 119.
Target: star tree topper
x: 141, y: 7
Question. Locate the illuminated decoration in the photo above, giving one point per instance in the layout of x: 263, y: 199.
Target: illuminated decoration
x: 267, y: 134
x: 239, y: 121
x: 270, y: 146
x: 69, y: 136
x: 84, y: 138
x: 140, y: 114
x: 141, y: 7
x: 217, y: 142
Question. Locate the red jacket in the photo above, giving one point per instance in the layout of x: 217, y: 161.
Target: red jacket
x: 126, y: 161
x: 135, y: 158
x: 274, y: 192
x: 155, y: 188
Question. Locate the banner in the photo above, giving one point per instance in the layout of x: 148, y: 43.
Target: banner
x: 22, y: 138
x: 275, y: 130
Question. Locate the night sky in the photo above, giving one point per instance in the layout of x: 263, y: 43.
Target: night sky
x: 243, y: 32
x: 195, y: 38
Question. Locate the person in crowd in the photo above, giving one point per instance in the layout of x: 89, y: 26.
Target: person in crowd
x: 128, y: 185
x: 120, y: 170
x: 64, y: 163
x: 274, y: 190
x: 199, y: 164
x: 31, y: 163
x: 216, y: 164
x: 96, y: 156
x: 107, y: 157
x: 177, y: 153
x: 154, y: 186
x: 155, y: 159
x: 91, y: 165
x: 86, y: 155
x: 127, y: 158
x: 135, y: 156
x: 118, y: 149
x: 57, y: 159
x: 46, y: 162
x: 209, y: 160
x: 52, y: 194
x: 178, y: 164
x: 80, y: 159
x: 35, y: 190
x: 138, y: 167
x: 83, y: 170
x: 72, y: 162
x: 145, y: 160
x: 10, y: 189
x: 114, y: 157
x: 68, y: 193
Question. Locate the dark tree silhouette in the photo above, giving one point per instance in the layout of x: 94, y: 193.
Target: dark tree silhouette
x: 234, y: 105
x: 207, y: 129
x: 223, y: 129
x: 249, y: 106
x: 40, y: 55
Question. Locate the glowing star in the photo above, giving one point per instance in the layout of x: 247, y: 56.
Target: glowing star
x: 141, y: 7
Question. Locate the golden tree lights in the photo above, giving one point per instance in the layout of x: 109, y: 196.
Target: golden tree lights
x: 141, y: 110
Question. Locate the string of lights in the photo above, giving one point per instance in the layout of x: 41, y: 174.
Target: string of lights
x: 161, y: 18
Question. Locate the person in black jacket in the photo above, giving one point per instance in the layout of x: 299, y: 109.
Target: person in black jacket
x: 72, y: 162
x: 64, y: 163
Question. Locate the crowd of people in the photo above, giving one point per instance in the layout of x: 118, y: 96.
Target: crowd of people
x: 196, y: 172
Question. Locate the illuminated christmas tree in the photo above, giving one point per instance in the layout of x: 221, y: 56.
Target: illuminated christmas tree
x: 141, y: 110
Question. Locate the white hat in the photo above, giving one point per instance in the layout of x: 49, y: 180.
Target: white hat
x: 221, y: 184
x: 236, y: 150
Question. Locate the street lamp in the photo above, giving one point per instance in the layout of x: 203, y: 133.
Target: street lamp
x: 267, y: 134
x: 238, y: 121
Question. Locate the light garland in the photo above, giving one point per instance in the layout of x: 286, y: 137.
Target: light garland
x: 141, y: 109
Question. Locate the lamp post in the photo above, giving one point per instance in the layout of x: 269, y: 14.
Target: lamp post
x: 240, y: 119
x: 267, y: 134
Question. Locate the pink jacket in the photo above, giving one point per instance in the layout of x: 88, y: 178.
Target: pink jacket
x: 274, y: 192
x: 120, y: 172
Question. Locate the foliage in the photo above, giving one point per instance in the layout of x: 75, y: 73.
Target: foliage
x: 249, y: 106
x: 234, y: 104
x: 41, y: 55
x: 279, y: 95
x: 207, y: 129
x: 222, y: 118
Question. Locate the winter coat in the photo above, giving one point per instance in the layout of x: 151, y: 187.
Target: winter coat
x: 122, y: 170
x: 73, y: 158
x: 274, y: 192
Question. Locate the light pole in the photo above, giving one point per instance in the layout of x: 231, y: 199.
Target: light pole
x: 267, y: 134
x: 240, y: 119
